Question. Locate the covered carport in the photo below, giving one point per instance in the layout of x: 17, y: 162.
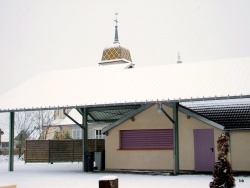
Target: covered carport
x: 96, y: 90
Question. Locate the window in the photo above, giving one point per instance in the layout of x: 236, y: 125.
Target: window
x: 96, y: 134
x: 99, y: 134
x: 76, y: 133
x: 146, y: 139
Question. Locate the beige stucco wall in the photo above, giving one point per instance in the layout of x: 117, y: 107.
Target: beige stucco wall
x: 138, y: 159
x: 154, y: 159
x: 240, y: 150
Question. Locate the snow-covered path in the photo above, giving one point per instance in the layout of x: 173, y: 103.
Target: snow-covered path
x: 65, y: 175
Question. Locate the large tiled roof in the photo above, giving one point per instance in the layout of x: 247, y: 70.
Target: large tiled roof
x: 230, y: 115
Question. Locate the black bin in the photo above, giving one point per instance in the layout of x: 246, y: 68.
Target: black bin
x: 90, y: 161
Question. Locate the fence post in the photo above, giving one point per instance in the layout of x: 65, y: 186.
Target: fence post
x: 95, y: 144
x: 108, y: 182
x: 49, y: 151
x: 73, y: 149
x: 25, y: 151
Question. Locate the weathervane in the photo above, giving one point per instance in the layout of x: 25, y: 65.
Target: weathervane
x: 116, y: 21
x: 116, y: 30
x: 179, y: 58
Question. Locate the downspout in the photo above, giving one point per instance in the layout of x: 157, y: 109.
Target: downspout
x: 176, y: 139
x: 11, y: 141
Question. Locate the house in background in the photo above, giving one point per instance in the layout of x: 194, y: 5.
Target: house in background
x: 1, y: 133
x: 67, y: 125
x: 20, y: 138
x: 143, y: 140
x: 4, y: 142
x: 1, y: 146
x: 59, y: 115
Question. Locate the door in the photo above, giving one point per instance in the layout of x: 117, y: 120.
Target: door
x: 204, y: 150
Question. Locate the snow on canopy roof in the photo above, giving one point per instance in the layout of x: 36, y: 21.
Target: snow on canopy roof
x: 125, y: 65
x: 75, y: 115
x: 232, y: 114
x: 97, y: 86
x: 218, y: 103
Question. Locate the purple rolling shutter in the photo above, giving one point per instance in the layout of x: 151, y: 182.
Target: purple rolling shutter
x: 146, y: 139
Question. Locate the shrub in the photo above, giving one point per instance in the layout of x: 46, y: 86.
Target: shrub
x: 222, y: 173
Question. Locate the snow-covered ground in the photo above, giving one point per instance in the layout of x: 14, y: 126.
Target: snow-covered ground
x: 65, y: 175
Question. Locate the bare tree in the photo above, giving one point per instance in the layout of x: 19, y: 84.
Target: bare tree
x: 23, y: 128
x: 30, y: 123
x: 23, y: 122
x: 42, y: 120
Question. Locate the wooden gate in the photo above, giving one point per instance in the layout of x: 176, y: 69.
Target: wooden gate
x: 59, y: 150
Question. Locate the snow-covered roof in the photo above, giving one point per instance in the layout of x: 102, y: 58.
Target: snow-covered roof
x: 232, y: 114
x: 75, y: 115
x: 98, y: 87
x: 56, y: 121
x: 117, y: 64
x: 113, y: 45
x: 218, y: 103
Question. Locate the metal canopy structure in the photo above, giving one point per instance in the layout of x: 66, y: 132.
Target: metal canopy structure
x: 107, y: 94
x: 110, y: 114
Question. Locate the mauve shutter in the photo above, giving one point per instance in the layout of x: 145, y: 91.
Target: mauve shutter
x: 147, y: 139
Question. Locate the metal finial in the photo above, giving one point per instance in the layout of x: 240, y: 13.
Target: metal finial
x: 116, y: 30
x: 179, y: 58
x: 116, y: 21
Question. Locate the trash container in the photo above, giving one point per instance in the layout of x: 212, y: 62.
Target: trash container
x: 90, y: 161
x: 100, y: 160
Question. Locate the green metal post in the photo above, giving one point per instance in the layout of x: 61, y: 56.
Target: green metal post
x: 85, y: 140
x: 83, y: 153
x: 11, y: 140
x: 176, y: 138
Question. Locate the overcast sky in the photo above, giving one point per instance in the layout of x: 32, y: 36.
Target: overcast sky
x: 43, y: 35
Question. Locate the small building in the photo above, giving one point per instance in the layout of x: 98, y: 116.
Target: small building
x: 144, y: 141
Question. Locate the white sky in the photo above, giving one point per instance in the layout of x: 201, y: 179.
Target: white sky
x: 65, y: 175
x: 42, y: 35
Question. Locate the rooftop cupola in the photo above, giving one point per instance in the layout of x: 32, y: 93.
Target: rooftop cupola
x: 116, y: 54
